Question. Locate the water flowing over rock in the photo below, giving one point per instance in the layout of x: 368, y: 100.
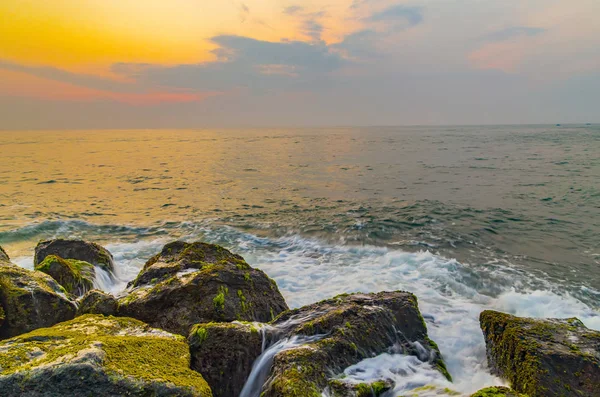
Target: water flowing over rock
x: 298, y: 352
x: 77, y: 277
x: 192, y: 283
x: 97, y: 302
x: 224, y: 353
x: 543, y: 358
x: 75, y: 249
x: 30, y: 300
x: 98, y: 356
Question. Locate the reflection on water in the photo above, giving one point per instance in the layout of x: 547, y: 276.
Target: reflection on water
x: 528, y: 194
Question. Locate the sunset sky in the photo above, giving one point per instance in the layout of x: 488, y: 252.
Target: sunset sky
x: 197, y: 63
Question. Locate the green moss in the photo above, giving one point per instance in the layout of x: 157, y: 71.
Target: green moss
x: 219, y: 299
x: 148, y: 358
x: 497, y: 392
x: 200, y: 332
x: 73, y: 275
x: 245, y: 306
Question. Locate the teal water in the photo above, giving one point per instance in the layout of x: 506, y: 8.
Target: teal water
x: 467, y: 218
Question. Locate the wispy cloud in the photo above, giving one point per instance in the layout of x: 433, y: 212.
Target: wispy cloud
x: 293, y: 10
x: 512, y: 32
x: 412, y: 15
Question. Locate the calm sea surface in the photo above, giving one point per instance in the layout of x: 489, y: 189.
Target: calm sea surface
x: 467, y: 218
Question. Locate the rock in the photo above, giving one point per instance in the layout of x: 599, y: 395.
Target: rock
x: 499, y: 391
x: 224, y: 353
x: 75, y: 249
x: 31, y: 300
x: 188, y: 284
x: 97, y: 302
x: 98, y: 356
x: 3, y: 256
x: 341, y: 388
x: 77, y: 277
x: 543, y: 358
x: 307, y: 345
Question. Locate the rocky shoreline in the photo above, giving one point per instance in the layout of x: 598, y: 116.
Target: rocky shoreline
x: 199, y: 321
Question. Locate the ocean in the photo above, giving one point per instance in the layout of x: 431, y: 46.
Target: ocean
x: 467, y: 218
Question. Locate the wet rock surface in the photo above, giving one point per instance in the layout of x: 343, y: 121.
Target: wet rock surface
x: 30, y: 300
x: 224, y: 354
x: 340, y: 388
x: 97, y: 302
x: 303, y: 348
x: 77, y: 277
x: 98, y: 356
x: 352, y: 328
x: 543, y: 358
x: 192, y: 283
x: 75, y: 249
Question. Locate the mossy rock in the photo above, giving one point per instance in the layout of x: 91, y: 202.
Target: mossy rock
x: 31, y: 300
x: 97, y: 302
x: 499, y: 391
x: 75, y: 249
x: 95, y: 355
x: 351, y: 329
x: 185, y: 289
x: 342, y: 388
x: 224, y: 353
x: 3, y: 256
x: 541, y: 358
x: 77, y: 277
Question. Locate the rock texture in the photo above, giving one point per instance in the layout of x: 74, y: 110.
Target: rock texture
x: 77, y: 277
x: 321, y: 340
x: 499, y: 391
x: 75, y: 249
x: 339, y: 388
x: 543, y: 358
x: 191, y: 283
x: 97, y: 302
x: 224, y: 353
x: 3, y: 256
x: 353, y: 327
x: 30, y: 300
x: 98, y: 356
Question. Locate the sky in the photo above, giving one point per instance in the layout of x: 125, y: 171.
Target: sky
x: 229, y: 63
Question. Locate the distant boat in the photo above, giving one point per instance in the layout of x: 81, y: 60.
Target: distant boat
x: 588, y: 123
x: 558, y: 125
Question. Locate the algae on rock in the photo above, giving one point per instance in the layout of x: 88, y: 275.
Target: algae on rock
x: 31, y: 300
x: 75, y: 249
x: 99, y: 356
x: 76, y: 276
x: 192, y: 283
x: 543, y: 358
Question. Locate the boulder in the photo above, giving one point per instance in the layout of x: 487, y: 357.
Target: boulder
x: 30, y: 300
x: 76, y: 276
x: 3, y: 256
x: 543, y: 358
x: 75, y: 249
x: 224, y: 353
x: 499, y: 391
x: 302, y: 348
x: 97, y: 302
x: 343, y: 331
x: 341, y: 388
x: 100, y: 356
x: 188, y: 284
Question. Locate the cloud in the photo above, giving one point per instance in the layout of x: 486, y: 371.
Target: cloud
x: 293, y: 10
x: 244, y: 12
x: 312, y: 29
x: 512, y: 32
x: 245, y: 63
x: 412, y: 15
